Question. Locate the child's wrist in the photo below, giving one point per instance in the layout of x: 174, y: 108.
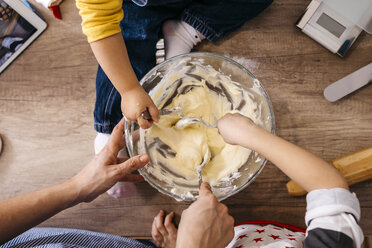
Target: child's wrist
x: 252, y: 134
x: 130, y: 90
x: 125, y: 85
x: 249, y: 127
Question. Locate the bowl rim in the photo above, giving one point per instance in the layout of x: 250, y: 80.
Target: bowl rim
x: 265, y: 95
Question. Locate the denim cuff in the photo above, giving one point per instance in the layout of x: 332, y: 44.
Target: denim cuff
x: 210, y: 34
x: 106, y: 128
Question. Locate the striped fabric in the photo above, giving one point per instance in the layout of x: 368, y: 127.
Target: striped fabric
x: 72, y: 238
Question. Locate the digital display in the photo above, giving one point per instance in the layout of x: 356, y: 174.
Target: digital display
x: 14, y: 31
x: 331, y: 25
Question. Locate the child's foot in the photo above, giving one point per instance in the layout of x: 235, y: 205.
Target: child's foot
x: 179, y: 38
x: 163, y: 232
x: 100, y: 141
x: 120, y: 189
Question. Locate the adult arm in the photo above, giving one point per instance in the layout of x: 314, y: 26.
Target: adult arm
x: 23, y: 212
x: 306, y: 169
x: 206, y: 223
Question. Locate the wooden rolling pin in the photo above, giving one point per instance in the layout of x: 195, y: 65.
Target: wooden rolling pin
x: 355, y: 167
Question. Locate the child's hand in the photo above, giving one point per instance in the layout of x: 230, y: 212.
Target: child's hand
x: 232, y: 126
x: 134, y: 103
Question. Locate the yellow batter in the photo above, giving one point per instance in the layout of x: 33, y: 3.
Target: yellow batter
x: 204, y: 93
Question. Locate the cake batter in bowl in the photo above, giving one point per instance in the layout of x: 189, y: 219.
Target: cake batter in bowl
x: 204, y: 86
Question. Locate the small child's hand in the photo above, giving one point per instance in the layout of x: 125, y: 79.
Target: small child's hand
x: 233, y: 126
x: 134, y: 103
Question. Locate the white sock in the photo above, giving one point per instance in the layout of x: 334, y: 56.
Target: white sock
x: 179, y: 38
x: 120, y: 189
x: 100, y: 141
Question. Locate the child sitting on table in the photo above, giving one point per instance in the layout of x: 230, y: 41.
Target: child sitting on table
x: 123, y: 37
x: 332, y: 211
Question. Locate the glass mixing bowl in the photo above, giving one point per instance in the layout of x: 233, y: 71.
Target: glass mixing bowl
x: 246, y: 80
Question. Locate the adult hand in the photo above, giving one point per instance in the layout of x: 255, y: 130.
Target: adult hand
x: 134, y: 102
x: 206, y: 223
x: 232, y: 126
x: 106, y: 168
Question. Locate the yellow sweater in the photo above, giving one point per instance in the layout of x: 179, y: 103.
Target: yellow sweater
x: 100, y: 18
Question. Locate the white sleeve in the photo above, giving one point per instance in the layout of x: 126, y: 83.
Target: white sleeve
x: 332, y: 215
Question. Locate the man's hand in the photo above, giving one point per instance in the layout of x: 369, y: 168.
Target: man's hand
x: 233, y: 126
x: 106, y: 168
x: 134, y: 102
x: 206, y: 223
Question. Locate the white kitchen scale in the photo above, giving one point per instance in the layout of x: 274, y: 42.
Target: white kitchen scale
x: 336, y: 24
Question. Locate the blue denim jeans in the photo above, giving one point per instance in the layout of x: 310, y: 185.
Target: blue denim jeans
x: 141, y: 29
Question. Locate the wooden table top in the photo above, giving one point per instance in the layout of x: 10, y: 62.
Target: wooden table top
x: 46, y: 118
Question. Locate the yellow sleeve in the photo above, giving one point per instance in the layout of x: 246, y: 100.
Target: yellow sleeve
x: 100, y: 18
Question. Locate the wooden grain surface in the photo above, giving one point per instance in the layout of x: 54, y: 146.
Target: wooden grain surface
x: 47, y: 97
